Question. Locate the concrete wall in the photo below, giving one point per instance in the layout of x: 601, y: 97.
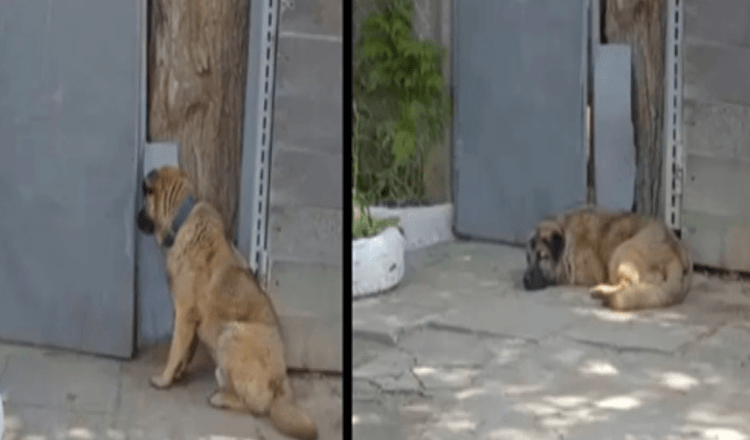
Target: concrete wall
x: 433, y: 19
x: 716, y: 129
x: 305, y: 207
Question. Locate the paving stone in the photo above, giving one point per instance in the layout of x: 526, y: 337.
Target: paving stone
x: 422, y: 291
x: 729, y: 347
x: 511, y: 317
x: 505, y: 351
x: 84, y: 382
x: 418, y: 411
x: 30, y: 422
x: 515, y: 431
x: 486, y: 402
x: 633, y: 334
x: 443, y: 433
x: 449, y: 422
x: 445, y: 348
x: 402, y: 383
x: 390, y: 363
x: 639, y: 424
x: 365, y: 350
x: 363, y: 389
x: 445, y: 377
x: 390, y: 372
x: 384, y: 321
x: 373, y: 421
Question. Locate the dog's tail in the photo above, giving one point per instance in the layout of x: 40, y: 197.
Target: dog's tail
x: 290, y: 418
x: 634, y: 294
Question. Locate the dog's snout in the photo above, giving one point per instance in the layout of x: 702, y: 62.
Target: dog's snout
x: 527, y: 280
x: 145, y: 224
x: 532, y: 280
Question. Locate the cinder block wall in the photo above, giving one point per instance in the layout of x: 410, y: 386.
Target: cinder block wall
x: 433, y: 19
x: 716, y: 132
x: 305, y: 215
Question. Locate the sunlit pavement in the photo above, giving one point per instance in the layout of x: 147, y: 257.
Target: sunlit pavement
x: 51, y: 394
x: 460, y: 351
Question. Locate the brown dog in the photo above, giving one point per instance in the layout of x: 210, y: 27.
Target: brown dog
x: 631, y: 261
x: 216, y: 298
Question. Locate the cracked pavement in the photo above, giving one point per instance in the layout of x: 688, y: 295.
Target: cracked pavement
x: 460, y: 351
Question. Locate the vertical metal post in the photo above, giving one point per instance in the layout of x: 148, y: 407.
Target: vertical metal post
x: 674, y: 159
x: 257, y: 135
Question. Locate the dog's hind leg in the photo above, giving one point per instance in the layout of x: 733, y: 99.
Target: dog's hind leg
x: 645, y: 294
x: 628, y: 276
x: 604, y: 290
x: 224, y: 397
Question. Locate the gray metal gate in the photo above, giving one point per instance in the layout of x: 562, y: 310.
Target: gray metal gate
x: 519, y: 71
x: 70, y: 82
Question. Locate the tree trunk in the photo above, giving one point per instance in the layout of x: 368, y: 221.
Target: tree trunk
x: 197, y: 71
x: 641, y: 24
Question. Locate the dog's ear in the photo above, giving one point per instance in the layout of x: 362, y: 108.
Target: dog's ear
x: 556, y: 245
x: 168, y: 240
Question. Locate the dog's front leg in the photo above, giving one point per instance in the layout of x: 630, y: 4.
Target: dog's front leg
x: 188, y: 358
x: 184, y: 332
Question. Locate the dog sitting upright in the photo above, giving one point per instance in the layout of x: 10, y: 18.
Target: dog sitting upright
x: 216, y: 298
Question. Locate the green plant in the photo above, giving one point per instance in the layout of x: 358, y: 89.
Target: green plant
x: 366, y: 226
x: 400, y: 107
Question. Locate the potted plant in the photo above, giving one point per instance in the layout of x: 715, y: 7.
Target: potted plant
x: 377, y: 244
x: 401, y: 112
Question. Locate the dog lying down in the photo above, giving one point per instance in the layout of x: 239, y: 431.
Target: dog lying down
x: 630, y: 261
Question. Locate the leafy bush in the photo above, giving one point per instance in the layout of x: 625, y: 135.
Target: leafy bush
x: 400, y: 107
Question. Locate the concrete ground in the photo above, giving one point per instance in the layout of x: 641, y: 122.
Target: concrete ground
x: 460, y: 351
x: 52, y: 394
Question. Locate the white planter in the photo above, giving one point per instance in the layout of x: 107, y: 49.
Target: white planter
x: 377, y: 262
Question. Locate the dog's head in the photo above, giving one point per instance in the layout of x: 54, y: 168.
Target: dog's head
x: 543, y: 255
x: 164, y: 191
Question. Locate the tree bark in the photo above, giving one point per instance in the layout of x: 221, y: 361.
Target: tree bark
x: 641, y: 24
x: 197, y: 72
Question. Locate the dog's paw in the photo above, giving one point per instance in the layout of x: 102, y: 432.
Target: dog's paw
x: 180, y: 373
x: 216, y: 399
x: 160, y: 382
x: 225, y: 400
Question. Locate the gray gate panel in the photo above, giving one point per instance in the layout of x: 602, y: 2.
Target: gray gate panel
x: 69, y: 90
x: 518, y: 124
